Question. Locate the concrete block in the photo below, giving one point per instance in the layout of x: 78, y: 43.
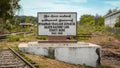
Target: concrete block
x: 75, y: 53
x: 78, y: 55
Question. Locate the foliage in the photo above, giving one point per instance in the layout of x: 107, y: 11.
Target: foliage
x: 89, y: 19
x: 8, y: 8
x: 90, y: 29
x: 7, y: 11
x: 13, y: 24
x: 41, y: 37
x: 15, y: 47
x: 109, y: 12
x: 112, y: 10
x: 117, y: 22
x: 13, y: 38
x: 100, y: 21
x: 27, y: 19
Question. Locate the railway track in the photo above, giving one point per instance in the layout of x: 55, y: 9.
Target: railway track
x: 3, y: 36
x: 11, y: 59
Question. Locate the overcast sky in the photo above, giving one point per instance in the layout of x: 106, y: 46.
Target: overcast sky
x: 31, y: 7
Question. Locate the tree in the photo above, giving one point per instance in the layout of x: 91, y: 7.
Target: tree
x: 92, y: 20
x: 28, y: 20
x: 112, y: 10
x: 101, y: 20
x: 117, y: 22
x: 7, y: 10
x: 87, y: 19
x: 109, y: 12
x: 115, y: 9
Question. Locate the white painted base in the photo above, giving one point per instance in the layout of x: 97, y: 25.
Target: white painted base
x: 75, y: 53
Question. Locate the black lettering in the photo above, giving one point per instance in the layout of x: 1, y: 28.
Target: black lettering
x: 65, y: 16
x: 47, y: 27
x: 66, y: 20
x: 45, y: 16
x: 57, y: 26
x: 43, y: 23
x: 54, y: 15
x: 69, y: 23
x: 53, y: 32
x: 60, y: 33
x: 57, y: 23
x: 66, y: 26
x: 62, y: 30
x: 45, y: 20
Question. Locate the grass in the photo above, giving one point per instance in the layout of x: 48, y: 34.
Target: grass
x: 117, y: 36
x: 46, y: 62
x: 89, y: 29
x: 86, y: 30
x: 41, y: 37
x: 105, y: 66
x: 13, y: 38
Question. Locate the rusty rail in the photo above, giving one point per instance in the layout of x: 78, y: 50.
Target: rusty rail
x: 9, y: 58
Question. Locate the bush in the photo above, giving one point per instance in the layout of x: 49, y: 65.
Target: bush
x: 117, y: 22
x: 13, y: 38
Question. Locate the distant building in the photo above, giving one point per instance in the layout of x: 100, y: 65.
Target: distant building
x: 110, y: 19
x: 26, y: 24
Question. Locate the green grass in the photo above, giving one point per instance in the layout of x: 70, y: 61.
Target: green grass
x: 89, y: 30
x: 13, y: 38
x: 41, y: 37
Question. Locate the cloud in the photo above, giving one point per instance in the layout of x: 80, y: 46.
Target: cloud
x: 115, y: 3
x: 69, y: 2
x: 80, y: 1
x: 31, y: 7
x: 51, y: 5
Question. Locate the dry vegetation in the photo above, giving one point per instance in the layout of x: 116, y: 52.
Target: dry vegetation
x: 51, y: 63
x: 110, y: 49
x: 110, y: 52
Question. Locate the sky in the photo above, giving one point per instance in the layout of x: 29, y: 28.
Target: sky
x: 93, y: 7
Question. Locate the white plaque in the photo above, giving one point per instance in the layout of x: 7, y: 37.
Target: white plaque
x: 57, y: 23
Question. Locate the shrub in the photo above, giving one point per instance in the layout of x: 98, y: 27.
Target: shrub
x: 13, y: 38
x: 117, y: 22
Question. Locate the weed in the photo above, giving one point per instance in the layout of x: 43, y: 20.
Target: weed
x: 13, y: 38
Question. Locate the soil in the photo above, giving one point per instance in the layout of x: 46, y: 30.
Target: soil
x: 110, y: 49
x: 44, y: 62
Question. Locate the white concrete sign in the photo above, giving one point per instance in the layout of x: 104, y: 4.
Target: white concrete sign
x: 57, y: 23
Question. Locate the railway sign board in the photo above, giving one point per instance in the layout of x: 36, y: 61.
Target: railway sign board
x: 57, y: 23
